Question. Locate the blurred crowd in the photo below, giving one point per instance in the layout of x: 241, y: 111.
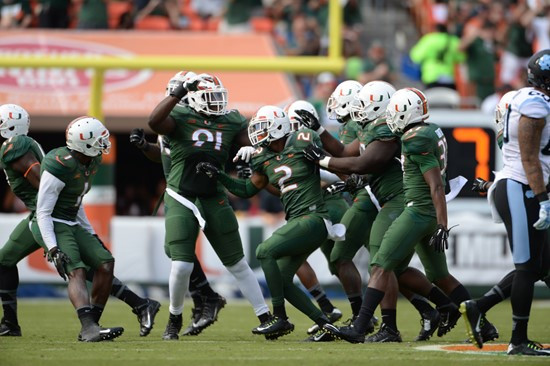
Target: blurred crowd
x: 481, y: 48
x: 467, y: 52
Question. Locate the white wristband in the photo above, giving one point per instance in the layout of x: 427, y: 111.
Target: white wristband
x: 324, y: 162
x: 320, y: 130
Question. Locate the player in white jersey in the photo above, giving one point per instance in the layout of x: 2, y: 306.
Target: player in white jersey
x: 521, y: 201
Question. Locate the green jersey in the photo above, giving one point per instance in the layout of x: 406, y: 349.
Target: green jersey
x: 388, y: 183
x: 348, y: 132
x: 296, y: 177
x: 424, y: 147
x: 76, y: 176
x: 198, y: 138
x: 11, y: 150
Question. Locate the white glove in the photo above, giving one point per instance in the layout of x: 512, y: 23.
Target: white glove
x: 244, y: 153
x: 543, y: 222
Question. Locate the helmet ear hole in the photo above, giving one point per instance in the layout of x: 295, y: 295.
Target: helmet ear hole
x: 376, y: 109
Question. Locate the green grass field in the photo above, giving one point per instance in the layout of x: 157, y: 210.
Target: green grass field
x: 50, y: 329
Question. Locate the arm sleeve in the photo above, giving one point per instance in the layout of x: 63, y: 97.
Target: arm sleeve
x: 48, y: 192
x: 83, y: 221
x: 329, y: 177
x: 239, y: 187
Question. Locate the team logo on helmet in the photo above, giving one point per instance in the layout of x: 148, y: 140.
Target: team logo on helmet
x: 544, y: 62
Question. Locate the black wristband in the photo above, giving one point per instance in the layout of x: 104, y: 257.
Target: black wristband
x: 179, y: 92
x: 542, y: 196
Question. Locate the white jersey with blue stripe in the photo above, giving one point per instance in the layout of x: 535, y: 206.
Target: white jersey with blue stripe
x: 530, y: 103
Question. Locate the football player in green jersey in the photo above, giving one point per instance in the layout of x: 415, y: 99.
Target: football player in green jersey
x: 207, y: 302
x: 399, y: 234
x: 279, y: 161
x: 360, y: 216
x: 63, y: 230
x: 202, y: 131
x: 376, y: 152
x: 20, y: 157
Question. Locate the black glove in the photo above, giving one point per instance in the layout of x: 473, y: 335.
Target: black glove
x: 481, y: 185
x: 244, y: 171
x: 355, y: 182
x: 181, y: 90
x: 59, y: 259
x: 336, y: 187
x: 307, y: 119
x: 207, y: 168
x: 439, y: 239
x: 137, y: 137
x: 314, y: 153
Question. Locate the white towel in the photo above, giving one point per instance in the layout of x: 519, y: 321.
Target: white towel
x: 190, y: 205
x: 336, y: 232
x: 455, y: 185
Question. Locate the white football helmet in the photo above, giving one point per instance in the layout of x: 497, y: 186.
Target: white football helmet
x: 14, y: 121
x: 502, y: 108
x: 211, y: 96
x: 339, y: 103
x: 406, y: 106
x: 293, y: 117
x: 176, y: 81
x: 269, y: 124
x: 88, y: 136
x: 371, y: 101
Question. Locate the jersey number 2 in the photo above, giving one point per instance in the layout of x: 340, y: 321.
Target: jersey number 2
x: 288, y: 173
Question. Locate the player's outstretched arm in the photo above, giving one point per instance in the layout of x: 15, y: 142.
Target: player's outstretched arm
x: 330, y: 144
x: 151, y: 151
x: 244, y: 188
x: 160, y: 120
x: 29, y: 166
x: 375, y: 158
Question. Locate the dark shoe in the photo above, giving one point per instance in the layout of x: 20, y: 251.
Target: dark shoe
x: 90, y: 333
x: 385, y: 334
x: 210, y: 310
x: 488, y: 331
x: 8, y: 329
x: 192, y: 328
x: 347, y: 333
x: 333, y: 316
x: 528, y: 348
x: 473, y: 319
x: 146, y: 316
x: 322, y: 335
x: 108, y: 334
x: 429, y: 323
x: 172, y: 328
x: 274, y: 328
x: 448, y: 316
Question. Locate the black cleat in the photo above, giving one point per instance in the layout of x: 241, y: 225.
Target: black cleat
x: 488, y: 331
x: 448, y: 316
x: 172, y: 328
x: 385, y: 334
x: 528, y: 348
x: 108, y: 334
x: 90, y: 333
x: 333, y: 316
x: 473, y: 319
x: 274, y: 328
x: 429, y: 323
x: 146, y: 316
x: 8, y: 329
x: 210, y: 310
x: 192, y: 328
x: 347, y: 333
x: 322, y: 335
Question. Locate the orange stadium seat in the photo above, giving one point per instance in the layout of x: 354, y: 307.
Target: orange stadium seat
x: 115, y: 9
x: 153, y: 22
x: 261, y: 24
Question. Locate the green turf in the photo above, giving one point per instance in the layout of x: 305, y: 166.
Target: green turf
x: 50, y: 329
